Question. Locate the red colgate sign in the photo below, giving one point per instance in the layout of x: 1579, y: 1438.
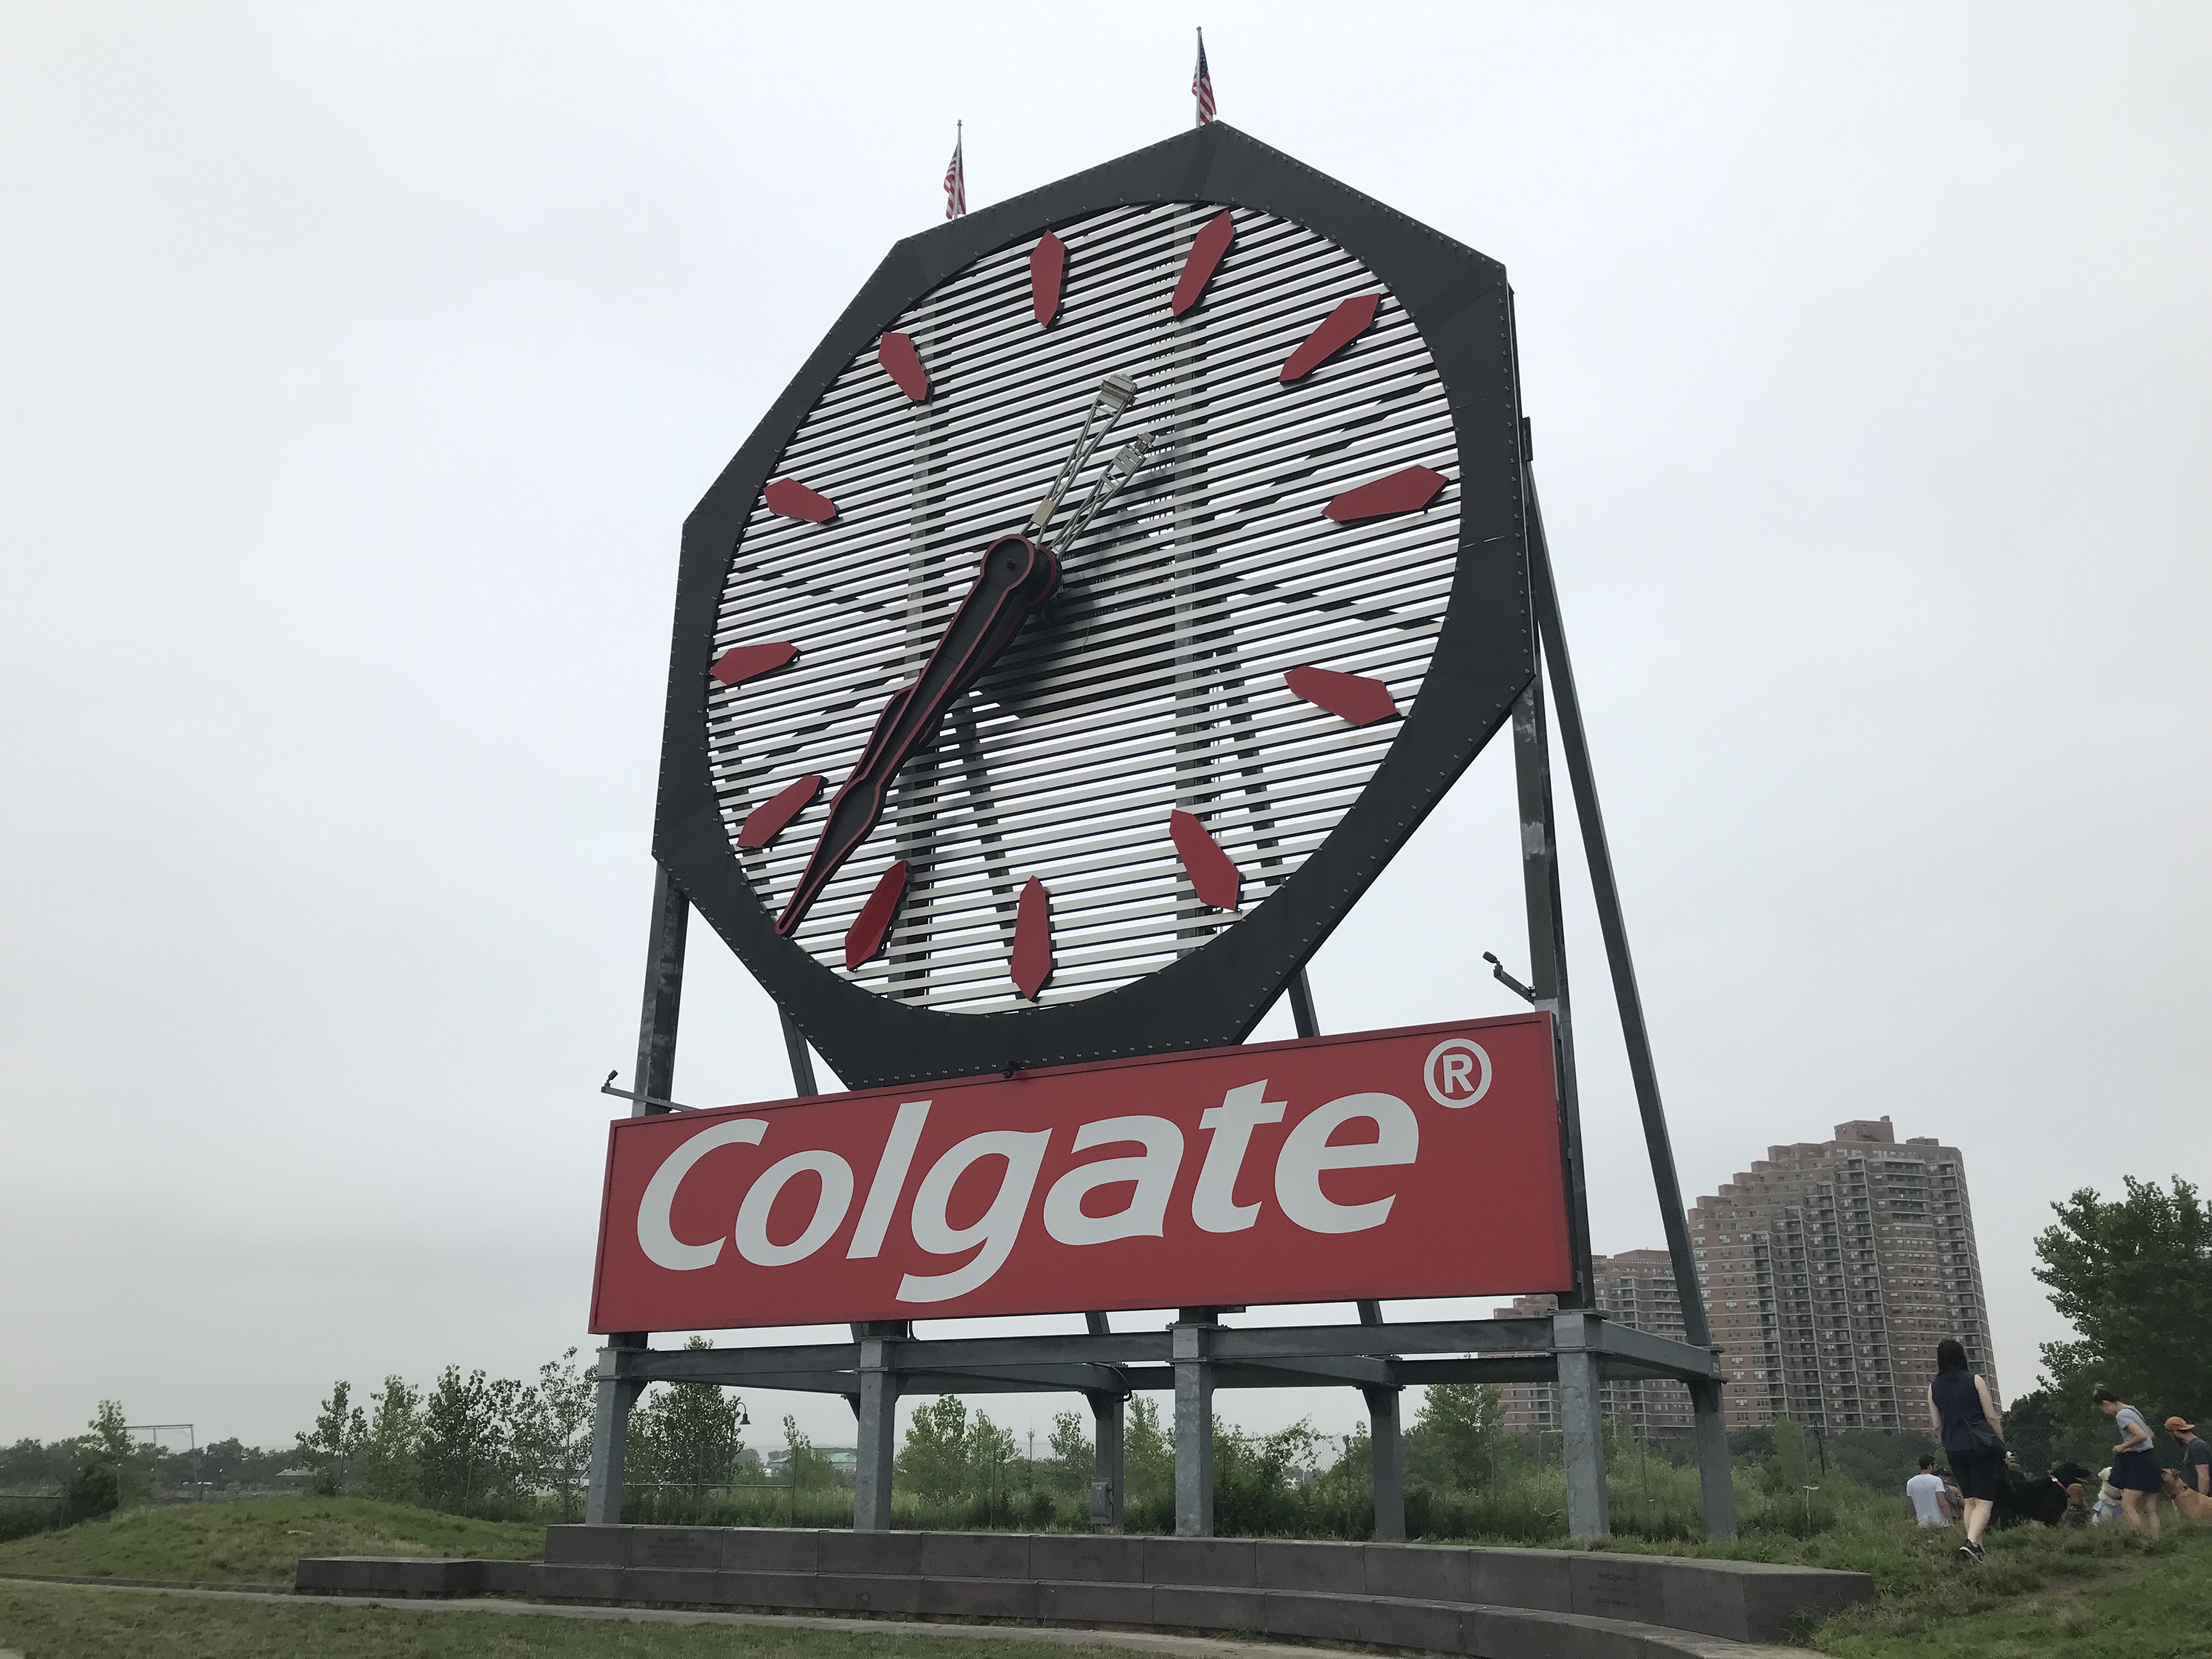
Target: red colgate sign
x: 1391, y: 1163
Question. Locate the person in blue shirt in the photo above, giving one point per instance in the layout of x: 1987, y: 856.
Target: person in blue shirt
x: 1963, y: 1413
x: 2134, y: 1465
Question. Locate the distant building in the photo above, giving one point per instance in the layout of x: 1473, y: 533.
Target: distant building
x: 1831, y: 1270
x: 1635, y: 1288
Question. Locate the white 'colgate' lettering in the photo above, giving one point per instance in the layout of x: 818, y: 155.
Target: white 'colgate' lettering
x: 1306, y: 1152
x: 1305, y: 1155
x: 661, y: 1246
x: 1146, y: 1211
x: 890, y: 1180
x: 997, y: 1229
x: 1213, y: 1205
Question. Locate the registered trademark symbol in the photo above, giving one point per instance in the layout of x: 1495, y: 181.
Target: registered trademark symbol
x: 1457, y: 1073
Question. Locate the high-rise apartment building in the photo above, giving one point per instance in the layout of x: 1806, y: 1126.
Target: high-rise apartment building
x: 1831, y: 1270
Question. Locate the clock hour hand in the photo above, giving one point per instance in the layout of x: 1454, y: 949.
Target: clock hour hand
x: 1018, y: 575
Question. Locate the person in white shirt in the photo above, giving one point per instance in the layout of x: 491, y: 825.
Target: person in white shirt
x: 1925, y: 1489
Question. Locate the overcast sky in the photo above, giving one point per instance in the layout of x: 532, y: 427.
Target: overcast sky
x: 358, y: 365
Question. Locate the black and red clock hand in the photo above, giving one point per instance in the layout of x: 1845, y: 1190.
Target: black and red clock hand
x: 1018, y: 575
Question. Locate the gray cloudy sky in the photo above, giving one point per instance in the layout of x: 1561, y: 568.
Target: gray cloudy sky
x: 359, y: 364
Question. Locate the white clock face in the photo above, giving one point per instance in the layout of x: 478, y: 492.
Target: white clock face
x: 1154, y: 684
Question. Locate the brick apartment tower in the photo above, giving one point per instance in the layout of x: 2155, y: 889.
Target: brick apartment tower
x: 1831, y: 1270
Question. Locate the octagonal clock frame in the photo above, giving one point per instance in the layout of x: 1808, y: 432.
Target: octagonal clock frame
x: 1484, y: 656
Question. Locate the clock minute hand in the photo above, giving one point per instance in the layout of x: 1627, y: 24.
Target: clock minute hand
x: 1018, y: 575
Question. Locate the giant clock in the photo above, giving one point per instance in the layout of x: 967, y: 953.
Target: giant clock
x: 1105, y: 601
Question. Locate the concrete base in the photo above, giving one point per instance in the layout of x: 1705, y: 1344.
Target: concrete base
x: 1487, y: 1603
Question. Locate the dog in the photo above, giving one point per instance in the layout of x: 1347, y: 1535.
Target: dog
x: 2193, y: 1505
x: 2021, y: 1499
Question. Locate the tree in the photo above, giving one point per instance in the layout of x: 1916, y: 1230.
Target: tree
x: 690, y: 1433
x: 460, y: 1448
x: 990, y: 1450
x: 2134, y: 1277
x: 933, y: 1462
x: 809, y: 1467
x: 1257, y: 1478
x: 103, y: 1459
x: 553, y: 1431
x: 1069, y: 1470
x: 1147, y: 1459
x: 329, y: 1452
x: 387, y: 1460
x: 1455, y: 1436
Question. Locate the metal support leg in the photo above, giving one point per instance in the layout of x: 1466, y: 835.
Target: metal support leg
x: 1389, y: 1464
x: 663, y: 991
x: 1547, y: 962
x: 1719, y: 1492
x: 877, y: 1412
x: 1716, y: 1480
x: 1581, y: 1419
x: 802, y: 1063
x: 1194, y: 1429
x: 655, y: 1080
x: 1108, y: 1418
x: 603, y: 1497
x: 1301, y: 1007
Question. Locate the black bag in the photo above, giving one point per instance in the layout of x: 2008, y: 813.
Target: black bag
x: 1983, y: 1441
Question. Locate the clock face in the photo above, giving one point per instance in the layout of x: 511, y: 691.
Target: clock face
x: 1227, y: 658
x: 1169, y: 773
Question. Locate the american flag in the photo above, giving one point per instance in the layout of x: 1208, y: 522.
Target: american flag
x: 956, y: 181
x: 1201, y: 84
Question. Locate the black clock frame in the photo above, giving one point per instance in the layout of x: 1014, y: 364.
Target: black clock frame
x: 1485, y: 654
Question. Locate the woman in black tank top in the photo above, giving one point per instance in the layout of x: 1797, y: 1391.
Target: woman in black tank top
x: 1963, y: 1415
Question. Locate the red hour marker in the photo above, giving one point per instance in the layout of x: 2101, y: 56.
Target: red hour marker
x: 1400, y: 492
x: 789, y: 498
x: 903, y: 363
x: 1048, y: 265
x: 873, y: 925
x: 1338, y: 330
x: 1353, y: 696
x: 1032, y: 963
x: 1213, y: 876
x: 766, y: 822
x: 1206, y: 252
x: 746, y: 662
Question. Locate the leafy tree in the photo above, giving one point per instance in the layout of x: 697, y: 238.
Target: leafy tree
x: 461, y: 1447
x: 933, y: 1462
x: 688, y: 1432
x: 1257, y: 1478
x: 991, y: 1450
x: 2134, y: 1277
x: 553, y: 1431
x: 1147, y: 1463
x: 101, y: 1464
x: 1068, y: 1471
x: 388, y: 1459
x: 329, y: 1452
x: 809, y: 1467
x: 1457, y: 1435
x: 29, y: 1465
x: 1791, y: 1472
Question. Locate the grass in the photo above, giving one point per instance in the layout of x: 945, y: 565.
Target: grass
x: 2104, y: 1594
x: 258, y: 1541
x: 61, y: 1622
